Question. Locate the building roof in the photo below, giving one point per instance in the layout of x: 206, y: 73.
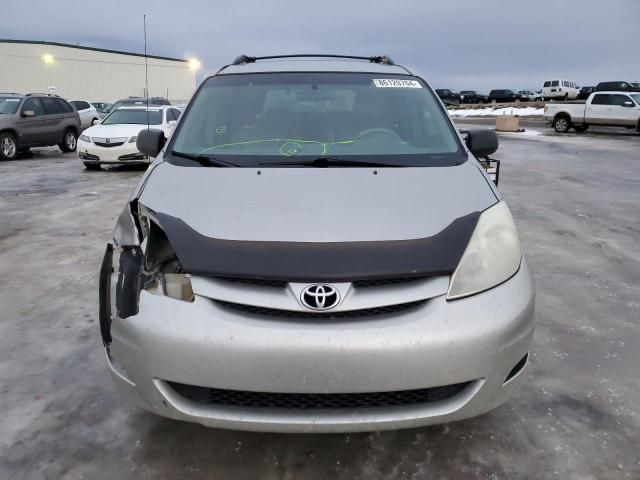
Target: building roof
x: 94, y: 49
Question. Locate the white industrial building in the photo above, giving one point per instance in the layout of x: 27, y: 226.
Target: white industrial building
x: 94, y: 74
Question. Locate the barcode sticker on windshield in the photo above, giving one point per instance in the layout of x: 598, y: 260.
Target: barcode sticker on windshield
x: 396, y: 83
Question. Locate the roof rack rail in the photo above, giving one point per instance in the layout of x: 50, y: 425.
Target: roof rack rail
x: 33, y: 94
x: 383, y: 59
x: 10, y: 93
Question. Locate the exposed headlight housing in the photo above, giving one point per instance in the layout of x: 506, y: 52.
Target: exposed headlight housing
x: 492, y: 256
x: 85, y: 138
x: 174, y: 285
x: 133, y: 139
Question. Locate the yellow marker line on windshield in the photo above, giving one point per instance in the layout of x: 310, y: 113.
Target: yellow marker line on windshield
x: 249, y: 142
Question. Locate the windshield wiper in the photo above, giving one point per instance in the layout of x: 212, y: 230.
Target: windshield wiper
x: 203, y: 160
x: 323, y: 162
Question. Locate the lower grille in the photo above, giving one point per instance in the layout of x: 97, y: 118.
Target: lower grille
x: 315, y: 401
x: 274, y: 312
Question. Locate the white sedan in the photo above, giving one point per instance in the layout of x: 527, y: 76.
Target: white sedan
x: 113, y: 140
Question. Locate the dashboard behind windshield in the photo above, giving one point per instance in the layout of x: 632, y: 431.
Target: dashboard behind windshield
x: 252, y: 119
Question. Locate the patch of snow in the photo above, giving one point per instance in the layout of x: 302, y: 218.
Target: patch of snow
x: 495, y: 112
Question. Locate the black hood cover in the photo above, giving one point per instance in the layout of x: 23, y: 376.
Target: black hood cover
x: 319, y: 261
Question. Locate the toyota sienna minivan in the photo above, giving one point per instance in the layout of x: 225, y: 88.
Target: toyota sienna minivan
x: 316, y: 249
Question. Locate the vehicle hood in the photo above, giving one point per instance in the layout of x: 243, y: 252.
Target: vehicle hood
x: 115, y: 131
x: 316, y: 204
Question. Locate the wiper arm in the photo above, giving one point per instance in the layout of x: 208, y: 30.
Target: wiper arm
x: 203, y: 160
x: 323, y: 162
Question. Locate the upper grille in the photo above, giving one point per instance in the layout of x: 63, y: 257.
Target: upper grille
x: 108, y: 145
x: 364, y: 312
x: 357, y: 283
x: 379, y: 282
x: 255, y: 281
x: 109, y: 142
x: 316, y: 401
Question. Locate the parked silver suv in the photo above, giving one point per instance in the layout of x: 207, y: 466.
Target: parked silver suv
x: 316, y: 249
x: 35, y: 120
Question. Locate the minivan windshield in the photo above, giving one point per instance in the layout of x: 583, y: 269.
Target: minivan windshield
x: 293, y: 119
x: 9, y: 105
x: 133, y: 116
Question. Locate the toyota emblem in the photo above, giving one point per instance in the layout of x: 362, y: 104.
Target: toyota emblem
x: 320, y: 297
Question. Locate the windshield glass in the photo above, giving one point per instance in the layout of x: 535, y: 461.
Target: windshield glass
x: 133, y: 116
x: 254, y: 119
x: 636, y: 97
x: 9, y: 104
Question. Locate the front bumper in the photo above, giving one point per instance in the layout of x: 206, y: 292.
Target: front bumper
x: 477, y: 339
x: 127, y: 153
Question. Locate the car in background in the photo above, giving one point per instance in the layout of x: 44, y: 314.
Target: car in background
x: 528, y: 95
x: 585, y: 92
x: 36, y: 120
x: 139, y: 101
x: 89, y: 115
x: 113, y: 140
x: 612, y: 109
x: 503, y: 95
x: 559, y: 90
x: 101, y: 107
x: 447, y: 96
x: 618, y: 86
x: 471, y: 96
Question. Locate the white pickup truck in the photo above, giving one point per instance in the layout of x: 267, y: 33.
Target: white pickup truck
x: 619, y: 109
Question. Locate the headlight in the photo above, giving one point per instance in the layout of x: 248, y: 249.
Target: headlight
x: 492, y: 256
x: 133, y: 139
x: 174, y: 285
x: 85, y: 138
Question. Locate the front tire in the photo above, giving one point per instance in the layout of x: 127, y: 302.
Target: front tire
x: 8, y: 146
x: 561, y: 124
x: 69, y: 141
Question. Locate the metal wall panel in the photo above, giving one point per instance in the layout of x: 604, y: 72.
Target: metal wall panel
x: 91, y: 75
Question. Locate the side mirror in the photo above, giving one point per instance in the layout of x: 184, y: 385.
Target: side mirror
x: 150, y: 141
x: 28, y: 113
x: 481, y: 142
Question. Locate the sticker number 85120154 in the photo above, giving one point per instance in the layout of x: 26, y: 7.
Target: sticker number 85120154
x: 396, y: 83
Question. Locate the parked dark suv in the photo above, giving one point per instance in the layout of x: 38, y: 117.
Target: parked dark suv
x: 503, y: 96
x: 471, y: 96
x: 132, y: 101
x: 618, y: 87
x: 447, y: 96
x: 36, y: 120
x: 585, y: 92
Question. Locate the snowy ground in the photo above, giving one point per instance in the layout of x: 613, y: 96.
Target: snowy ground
x: 494, y: 112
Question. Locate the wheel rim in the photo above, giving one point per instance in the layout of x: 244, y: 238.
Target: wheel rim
x: 8, y: 147
x: 70, y: 140
x: 561, y: 124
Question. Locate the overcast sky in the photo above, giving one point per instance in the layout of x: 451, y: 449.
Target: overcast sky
x: 455, y: 44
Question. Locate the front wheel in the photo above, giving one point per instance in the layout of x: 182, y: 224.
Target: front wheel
x: 8, y: 147
x: 69, y: 141
x: 561, y: 124
x: 581, y: 128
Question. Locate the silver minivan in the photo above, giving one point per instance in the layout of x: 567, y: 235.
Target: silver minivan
x: 316, y: 249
